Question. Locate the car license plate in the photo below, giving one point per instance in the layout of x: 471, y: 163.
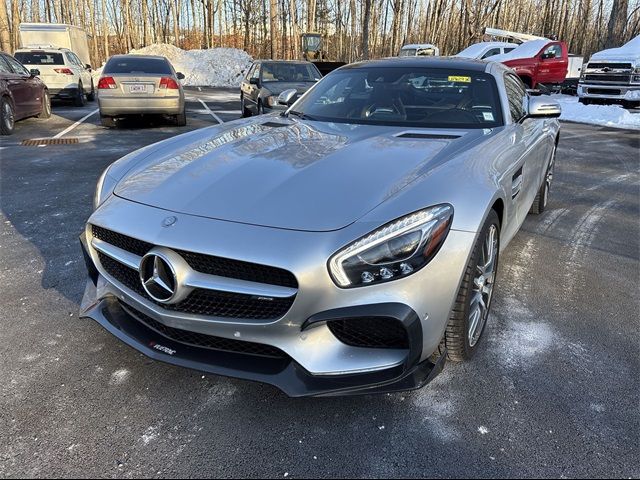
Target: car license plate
x: 137, y: 88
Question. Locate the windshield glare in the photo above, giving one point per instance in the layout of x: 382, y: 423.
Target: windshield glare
x: 289, y: 72
x: 413, y: 97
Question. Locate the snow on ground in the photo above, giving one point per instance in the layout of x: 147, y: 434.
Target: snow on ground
x: 607, y: 115
x: 215, y: 67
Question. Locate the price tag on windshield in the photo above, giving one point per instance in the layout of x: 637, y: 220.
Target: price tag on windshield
x: 454, y: 78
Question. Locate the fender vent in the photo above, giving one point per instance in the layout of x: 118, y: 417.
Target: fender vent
x: 41, y: 142
x: 274, y: 124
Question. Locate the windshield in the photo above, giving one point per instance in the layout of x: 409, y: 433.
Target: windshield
x: 39, y: 58
x: 311, y: 42
x: 134, y: 65
x: 404, y: 96
x: 408, y: 52
x: 289, y: 72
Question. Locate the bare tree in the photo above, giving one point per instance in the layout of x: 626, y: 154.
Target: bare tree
x: 617, y: 23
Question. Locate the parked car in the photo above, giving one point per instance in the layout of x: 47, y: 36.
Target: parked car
x: 22, y: 94
x: 140, y: 85
x: 341, y: 247
x: 266, y: 79
x: 484, y: 50
x: 419, y: 50
x: 538, y: 62
x: 66, y: 77
x: 612, y: 76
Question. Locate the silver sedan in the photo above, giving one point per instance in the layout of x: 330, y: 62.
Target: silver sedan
x: 140, y: 85
x: 348, y: 245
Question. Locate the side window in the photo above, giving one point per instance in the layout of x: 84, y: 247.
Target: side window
x: 77, y: 60
x: 508, y: 49
x: 491, y: 52
x: 4, y: 66
x: 69, y: 59
x: 517, y: 95
x: 256, y: 71
x: 250, y: 72
x: 16, y: 66
x: 552, y: 51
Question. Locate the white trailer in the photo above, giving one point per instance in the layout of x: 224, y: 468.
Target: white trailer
x: 42, y: 35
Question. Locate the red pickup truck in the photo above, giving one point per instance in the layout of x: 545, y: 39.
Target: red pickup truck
x: 538, y: 62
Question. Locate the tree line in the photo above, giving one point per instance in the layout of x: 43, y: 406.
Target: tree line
x: 351, y: 29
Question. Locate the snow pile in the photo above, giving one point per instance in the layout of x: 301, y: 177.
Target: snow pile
x: 628, y: 51
x: 527, y: 50
x: 607, y: 115
x: 216, y: 67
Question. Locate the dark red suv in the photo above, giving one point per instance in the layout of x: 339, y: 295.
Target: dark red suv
x: 22, y: 94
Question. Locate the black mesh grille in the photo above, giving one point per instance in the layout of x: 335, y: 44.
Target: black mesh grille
x: 203, y: 302
x: 609, y: 65
x: 371, y: 332
x: 206, y: 341
x: 209, y: 264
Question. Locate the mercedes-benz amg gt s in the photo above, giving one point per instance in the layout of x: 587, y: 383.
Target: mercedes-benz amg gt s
x: 347, y: 245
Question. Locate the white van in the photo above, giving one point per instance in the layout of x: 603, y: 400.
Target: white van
x: 61, y: 53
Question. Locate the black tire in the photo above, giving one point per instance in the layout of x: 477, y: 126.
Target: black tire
x: 80, y: 99
x: 456, y: 336
x: 243, y: 108
x: 542, y: 197
x: 585, y: 101
x: 260, y: 107
x: 181, y: 119
x: 108, y: 122
x: 46, y: 105
x: 91, y: 96
x: 7, y: 116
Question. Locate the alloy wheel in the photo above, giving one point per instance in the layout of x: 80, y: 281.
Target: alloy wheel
x: 482, y: 288
x: 9, y: 118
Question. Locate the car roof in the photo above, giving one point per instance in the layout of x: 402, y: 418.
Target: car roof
x: 281, y: 61
x: 148, y: 57
x: 454, y: 63
x: 417, y: 45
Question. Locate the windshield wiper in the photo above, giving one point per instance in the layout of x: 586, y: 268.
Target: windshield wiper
x: 301, y: 115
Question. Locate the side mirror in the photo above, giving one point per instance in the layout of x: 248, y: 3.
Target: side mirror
x: 180, y: 76
x: 540, y: 107
x: 88, y: 67
x: 34, y: 72
x: 254, y: 81
x: 287, y: 97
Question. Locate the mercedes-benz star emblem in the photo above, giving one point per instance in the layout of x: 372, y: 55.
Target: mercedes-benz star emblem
x: 168, y: 221
x: 158, y: 277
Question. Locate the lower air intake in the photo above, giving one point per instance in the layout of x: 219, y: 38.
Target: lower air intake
x: 370, y: 332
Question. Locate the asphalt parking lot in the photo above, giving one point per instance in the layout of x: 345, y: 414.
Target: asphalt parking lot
x: 554, y: 391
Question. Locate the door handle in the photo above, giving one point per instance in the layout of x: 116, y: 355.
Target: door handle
x: 516, y: 183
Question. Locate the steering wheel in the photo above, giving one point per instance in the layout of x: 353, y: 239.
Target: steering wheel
x: 395, y: 108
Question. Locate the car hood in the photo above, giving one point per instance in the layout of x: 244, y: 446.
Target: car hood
x: 287, y: 174
x: 276, y: 88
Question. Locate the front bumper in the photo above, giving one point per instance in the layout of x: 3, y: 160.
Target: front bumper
x: 283, y: 373
x: 620, y: 93
x: 421, y: 302
x: 114, y: 106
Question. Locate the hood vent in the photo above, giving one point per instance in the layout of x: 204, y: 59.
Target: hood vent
x: 431, y: 136
x: 274, y: 124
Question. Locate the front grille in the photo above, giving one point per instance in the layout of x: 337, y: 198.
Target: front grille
x: 603, y: 91
x: 203, y: 302
x: 370, y: 332
x: 612, y: 78
x: 209, y: 264
x: 609, y: 65
x: 206, y: 341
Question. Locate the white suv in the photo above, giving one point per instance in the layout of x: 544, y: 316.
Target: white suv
x: 62, y: 71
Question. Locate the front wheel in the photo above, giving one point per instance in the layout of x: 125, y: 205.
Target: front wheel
x: 46, y: 105
x: 243, y: 108
x: 471, y: 310
x: 91, y: 96
x: 7, y: 116
x: 80, y: 99
x: 181, y: 119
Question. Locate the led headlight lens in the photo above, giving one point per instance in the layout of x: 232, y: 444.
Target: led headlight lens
x: 394, y: 251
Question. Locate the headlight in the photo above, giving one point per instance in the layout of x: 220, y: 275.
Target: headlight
x: 394, y: 251
x: 104, y: 188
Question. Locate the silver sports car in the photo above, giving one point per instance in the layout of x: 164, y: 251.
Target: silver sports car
x: 348, y: 245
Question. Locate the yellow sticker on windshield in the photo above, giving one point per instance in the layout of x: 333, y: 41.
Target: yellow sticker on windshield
x: 453, y: 78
